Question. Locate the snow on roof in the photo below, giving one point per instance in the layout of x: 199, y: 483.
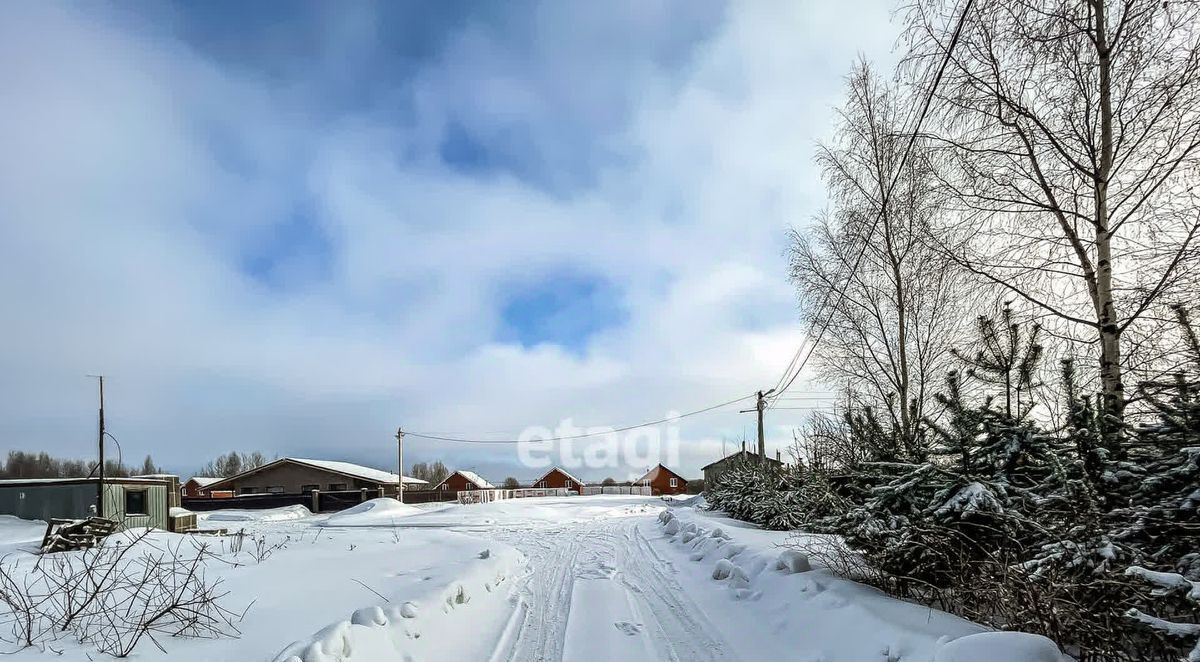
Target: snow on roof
x: 82, y: 479
x: 561, y: 471
x: 204, y: 481
x: 357, y: 470
x: 475, y: 478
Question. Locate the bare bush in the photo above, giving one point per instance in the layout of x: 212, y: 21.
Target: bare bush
x: 116, y: 595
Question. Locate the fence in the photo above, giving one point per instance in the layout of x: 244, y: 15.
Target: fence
x: 247, y: 502
x: 316, y: 501
x: 487, y: 496
x: 429, y: 496
x: 636, y: 490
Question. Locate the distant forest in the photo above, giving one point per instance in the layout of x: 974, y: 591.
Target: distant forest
x: 20, y: 464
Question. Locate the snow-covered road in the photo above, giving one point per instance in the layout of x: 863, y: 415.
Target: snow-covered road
x: 608, y: 578
x: 599, y: 590
x: 569, y: 579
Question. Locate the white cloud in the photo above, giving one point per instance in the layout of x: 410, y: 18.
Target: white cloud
x: 136, y: 172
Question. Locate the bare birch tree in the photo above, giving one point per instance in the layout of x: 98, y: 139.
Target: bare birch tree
x: 888, y: 339
x: 1068, y: 143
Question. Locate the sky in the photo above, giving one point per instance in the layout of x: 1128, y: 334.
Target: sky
x: 293, y: 227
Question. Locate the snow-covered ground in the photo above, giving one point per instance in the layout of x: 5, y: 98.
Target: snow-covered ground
x: 571, y: 578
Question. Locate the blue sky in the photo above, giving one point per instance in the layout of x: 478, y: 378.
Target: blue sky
x: 294, y: 226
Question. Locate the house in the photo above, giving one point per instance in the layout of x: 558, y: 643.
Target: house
x: 132, y: 502
x: 556, y: 478
x: 293, y: 475
x: 197, y: 486
x: 464, y: 480
x: 662, y: 480
x: 711, y: 471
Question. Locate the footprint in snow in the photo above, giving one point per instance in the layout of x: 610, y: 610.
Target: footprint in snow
x: 628, y: 628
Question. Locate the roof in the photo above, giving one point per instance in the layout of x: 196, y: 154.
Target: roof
x: 739, y: 455
x: 649, y: 475
x: 561, y: 471
x: 334, y: 466
x: 204, y: 481
x: 107, y: 479
x: 156, y: 476
x: 471, y: 477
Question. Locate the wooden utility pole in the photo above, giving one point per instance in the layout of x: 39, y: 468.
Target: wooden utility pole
x: 759, y: 407
x: 400, y: 462
x: 762, y: 440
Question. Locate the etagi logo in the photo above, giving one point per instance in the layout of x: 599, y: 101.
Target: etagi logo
x: 573, y: 447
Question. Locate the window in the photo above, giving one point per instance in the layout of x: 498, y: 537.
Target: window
x: 275, y: 489
x: 674, y: 482
x: 247, y: 490
x: 135, y: 502
x: 305, y: 489
x: 334, y: 487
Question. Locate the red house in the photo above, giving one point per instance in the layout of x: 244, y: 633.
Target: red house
x: 557, y: 478
x: 197, y: 486
x: 464, y: 480
x: 663, y: 481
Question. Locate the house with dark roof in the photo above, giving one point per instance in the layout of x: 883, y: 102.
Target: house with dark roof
x: 711, y: 471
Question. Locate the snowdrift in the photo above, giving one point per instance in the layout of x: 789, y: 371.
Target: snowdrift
x: 812, y: 611
x: 463, y: 594
x: 376, y: 512
x: 266, y: 515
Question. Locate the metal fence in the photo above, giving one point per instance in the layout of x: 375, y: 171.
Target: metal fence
x: 247, y: 502
x: 636, y: 490
x: 316, y: 501
x: 429, y: 496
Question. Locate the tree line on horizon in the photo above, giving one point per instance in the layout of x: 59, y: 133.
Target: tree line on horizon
x: 22, y: 464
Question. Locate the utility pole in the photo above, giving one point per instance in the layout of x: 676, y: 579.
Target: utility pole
x: 759, y: 407
x: 400, y: 462
x: 100, y: 443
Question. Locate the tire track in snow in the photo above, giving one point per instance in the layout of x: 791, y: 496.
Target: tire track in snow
x: 602, y: 551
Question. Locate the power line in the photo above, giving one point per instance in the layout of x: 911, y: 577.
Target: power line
x: 626, y: 428
x: 883, y: 204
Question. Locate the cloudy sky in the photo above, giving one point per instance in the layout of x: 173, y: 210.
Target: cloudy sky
x: 293, y: 227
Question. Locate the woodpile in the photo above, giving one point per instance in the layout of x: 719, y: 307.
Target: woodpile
x: 67, y: 534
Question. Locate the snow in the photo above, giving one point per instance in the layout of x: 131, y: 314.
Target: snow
x: 972, y: 498
x: 1167, y: 582
x: 20, y: 534
x: 205, y: 481
x: 475, y: 478
x: 466, y: 590
x: 792, y: 561
x: 265, y: 515
x: 534, y: 513
x: 561, y: 471
x: 376, y: 512
x: 561, y: 578
x: 357, y: 470
x: 776, y: 602
x: 999, y: 647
